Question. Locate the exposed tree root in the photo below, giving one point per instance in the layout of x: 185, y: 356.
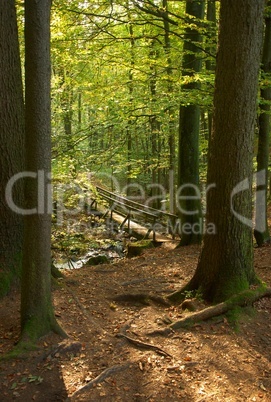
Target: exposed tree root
x: 142, y: 298
x: 245, y: 298
x: 100, y: 378
x: 144, y: 345
x: 66, y: 347
x: 56, y: 273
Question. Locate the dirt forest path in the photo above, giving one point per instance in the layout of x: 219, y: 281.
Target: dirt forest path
x: 111, y: 357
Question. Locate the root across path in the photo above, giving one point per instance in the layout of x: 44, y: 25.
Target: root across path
x: 127, y: 343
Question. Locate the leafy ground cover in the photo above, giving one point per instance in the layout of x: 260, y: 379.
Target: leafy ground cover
x: 110, y: 356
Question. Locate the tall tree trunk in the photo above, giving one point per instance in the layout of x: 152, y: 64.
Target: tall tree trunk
x: 37, y: 316
x: 226, y: 262
x: 261, y: 231
x: 66, y: 104
x: 189, y: 203
x: 210, y: 62
x: 11, y: 146
x: 131, y: 91
x: 170, y: 112
x: 79, y: 112
x: 155, y: 128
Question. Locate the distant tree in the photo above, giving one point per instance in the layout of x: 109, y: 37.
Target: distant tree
x: 226, y: 261
x: 130, y: 85
x: 189, y: 129
x: 170, y: 109
x: 103, y: 53
x: 37, y: 315
x: 11, y: 145
x: 261, y: 231
x: 210, y: 62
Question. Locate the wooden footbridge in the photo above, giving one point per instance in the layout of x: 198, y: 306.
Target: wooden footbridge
x: 134, y: 217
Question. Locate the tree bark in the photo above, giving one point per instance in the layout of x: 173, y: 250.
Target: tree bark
x: 210, y: 62
x: 226, y: 262
x: 155, y: 129
x: 11, y: 146
x: 189, y: 204
x: 170, y: 110
x: 261, y: 231
x: 131, y: 100
x: 37, y: 316
x: 66, y: 104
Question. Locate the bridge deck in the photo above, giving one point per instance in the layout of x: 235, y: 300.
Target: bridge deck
x: 140, y: 230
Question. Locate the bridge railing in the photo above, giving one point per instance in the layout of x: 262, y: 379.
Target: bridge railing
x: 134, y: 211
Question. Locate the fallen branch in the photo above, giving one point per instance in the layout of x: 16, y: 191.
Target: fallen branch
x: 100, y: 378
x: 144, y: 345
x: 245, y: 298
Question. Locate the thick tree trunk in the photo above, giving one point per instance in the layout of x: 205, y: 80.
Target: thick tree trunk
x: 226, y: 262
x: 189, y: 205
x: 11, y: 146
x: 37, y: 316
x: 261, y: 231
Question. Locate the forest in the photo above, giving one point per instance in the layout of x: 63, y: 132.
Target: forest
x: 135, y: 206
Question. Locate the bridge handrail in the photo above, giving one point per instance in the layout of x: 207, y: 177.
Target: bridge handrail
x: 127, y: 206
x: 133, y: 205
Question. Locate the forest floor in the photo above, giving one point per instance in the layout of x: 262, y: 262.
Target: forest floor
x: 218, y: 360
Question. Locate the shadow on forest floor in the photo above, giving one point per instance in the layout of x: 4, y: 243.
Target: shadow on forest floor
x: 211, y: 361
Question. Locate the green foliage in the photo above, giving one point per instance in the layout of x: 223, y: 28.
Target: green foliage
x: 189, y: 294
x: 115, y: 78
x: 193, y: 294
